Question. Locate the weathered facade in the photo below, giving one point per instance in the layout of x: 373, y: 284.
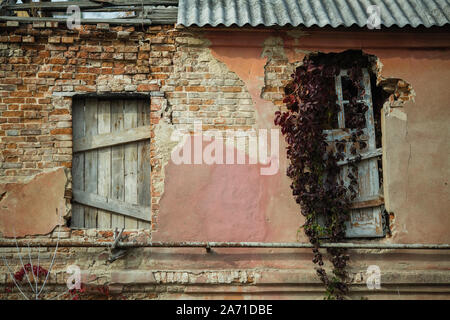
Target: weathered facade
x: 230, y: 79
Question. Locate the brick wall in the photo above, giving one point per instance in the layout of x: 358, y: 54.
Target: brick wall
x: 203, y: 88
x: 44, y: 65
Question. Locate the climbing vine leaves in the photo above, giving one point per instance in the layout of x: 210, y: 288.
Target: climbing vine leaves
x: 317, y: 182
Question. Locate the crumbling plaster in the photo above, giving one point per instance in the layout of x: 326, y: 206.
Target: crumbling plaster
x: 35, y: 207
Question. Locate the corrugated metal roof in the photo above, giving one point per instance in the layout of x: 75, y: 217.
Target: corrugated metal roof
x: 312, y: 12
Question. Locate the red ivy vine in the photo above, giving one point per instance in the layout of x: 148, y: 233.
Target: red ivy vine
x: 310, y: 99
x: 82, y: 293
x: 37, y: 271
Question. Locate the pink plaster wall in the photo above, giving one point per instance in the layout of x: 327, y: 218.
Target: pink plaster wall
x: 236, y: 203
x: 33, y: 208
x: 223, y: 203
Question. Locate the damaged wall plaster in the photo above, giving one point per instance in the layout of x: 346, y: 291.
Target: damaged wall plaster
x: 33, y: 207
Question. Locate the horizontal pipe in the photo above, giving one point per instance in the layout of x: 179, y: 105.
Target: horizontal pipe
x: 92, y: 244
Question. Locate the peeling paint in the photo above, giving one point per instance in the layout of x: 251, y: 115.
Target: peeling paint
x: 399, y: 114
x: 33, y: 207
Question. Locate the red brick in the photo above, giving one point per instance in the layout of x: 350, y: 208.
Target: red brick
x: 106, y: 55
x: 21, y: 94
x: 119, y: 70
x: 91, y: 48
x: 54, y: 39
x: 12, y: 81
x: 57, y: 61
x: 15, y: 38
x: 163, y: 48
x: 82, y: 70
x: 44, y: 100
x: 84, y: 76
x: 44, y: 54
x: 95, y: 70
x: 67, y: 39
x: 13, y: 107
x: 85, y: 89
x: 31, y: 107
x: 160, y: 76
x: 61, y: 131
x: 18, y: 60
x: 59, y: 112
x: 12, y: 113
x: 231, y: 89
x: 48, y: 74
x: 147, y: 87
x: 195, y: 89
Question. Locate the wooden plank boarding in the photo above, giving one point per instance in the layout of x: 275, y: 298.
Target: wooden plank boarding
x: 111, y: 179
x: 368, y: 203
x: 108, y: 139
x: 91, y: 161
x: 117, y: 206
x: 143, y: 170
x: 117, y: 162
x: 130, y: 154
x: 78, y: 161
x: 363, y: 156
x: 104, y: 162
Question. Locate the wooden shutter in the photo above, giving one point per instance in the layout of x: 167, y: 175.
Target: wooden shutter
x: 366, y: 215
x: 111, y: 163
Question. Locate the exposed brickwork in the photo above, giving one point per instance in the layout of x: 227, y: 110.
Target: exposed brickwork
x: 277, y: 71
x: 41, y: 68
x: 203, y: 88
x: 44, y: 65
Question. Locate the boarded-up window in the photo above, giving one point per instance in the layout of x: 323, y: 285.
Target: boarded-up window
x: 366, y: 213
x: 111, y: 163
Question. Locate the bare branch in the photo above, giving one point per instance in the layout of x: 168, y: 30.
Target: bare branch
x: 32, y: 269
x: 21, y: 262
x: 54, y: 255
x: 12, y: 277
